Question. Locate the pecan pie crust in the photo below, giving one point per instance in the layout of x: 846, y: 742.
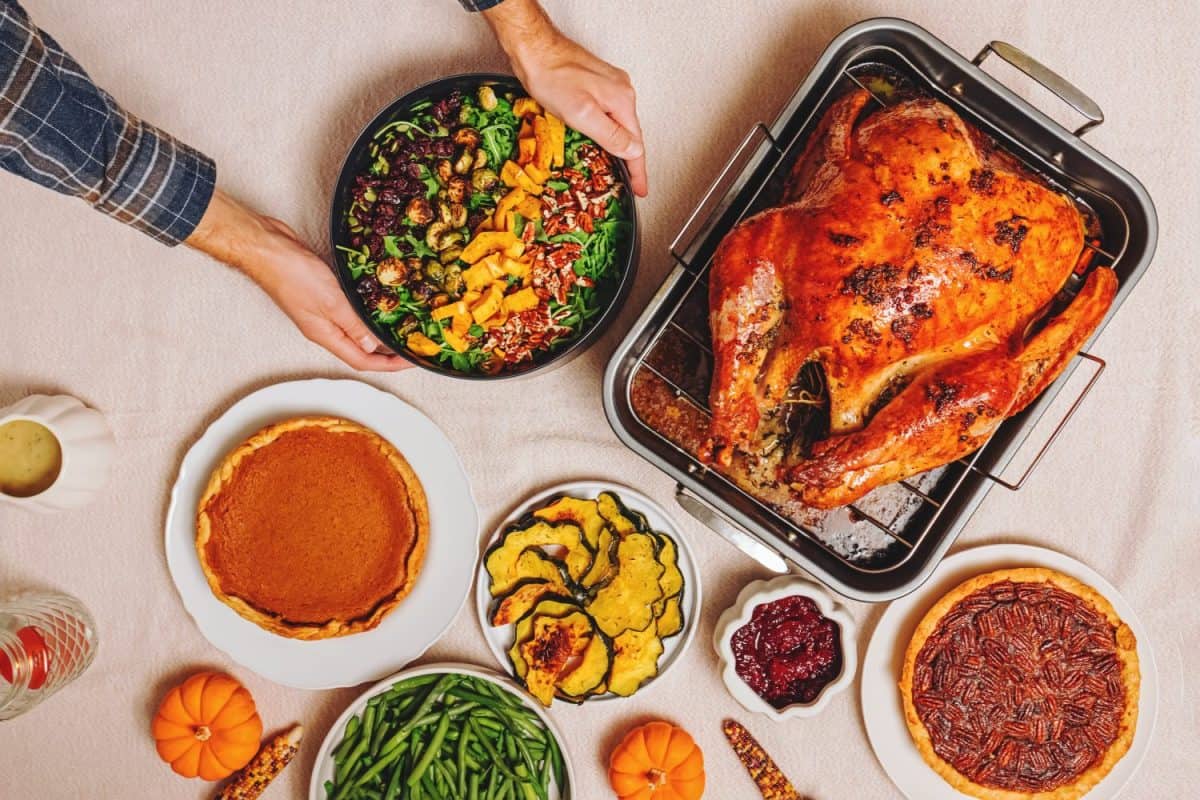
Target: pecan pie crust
x: 313, y: 528
x: 1022, y: 684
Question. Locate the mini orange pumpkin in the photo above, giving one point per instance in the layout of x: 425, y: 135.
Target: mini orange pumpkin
x: 207, y: 727
x: 657, y: 761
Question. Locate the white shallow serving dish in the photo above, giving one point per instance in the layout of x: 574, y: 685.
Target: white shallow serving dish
x: 500, y: 639
x: 323, y: 766
x: 440, y: 589
x: 883, y: 712
x: 88, y: 449
x: 756, y: 594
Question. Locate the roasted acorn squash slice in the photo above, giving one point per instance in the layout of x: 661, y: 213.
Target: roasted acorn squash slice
x: 553, y: 644
x: 592, y: 670
x: 623, y: 521
x: 604, y: 567
x: 523, y: 597
x: 635, y: 660
x: 670, y: 621
x: 501, y: 560
x: 671, y: 580
x: 580, y: 512
x: 550, y: 606
x: 626, y: 602
x: 533, y: 564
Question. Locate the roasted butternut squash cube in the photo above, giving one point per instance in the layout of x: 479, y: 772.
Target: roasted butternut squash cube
x: 530, y: 208
x: 512, y: 266
x: 510, y: 201
x: 509, y: 173
x: 527, y: 149
x: 522, y: 300
x: 494, y: 263
x: 477, y: 277
x: 558, y: 140
x: 543, y: 157
x: 461, y: 324
x: 535, y: 175
x: 488, y: 305
x: 526, y: 107
x: 459, y: 343
x: 516, y: 249
x: 486, y: 243
x: 422, y: 345
x: 449, y: 310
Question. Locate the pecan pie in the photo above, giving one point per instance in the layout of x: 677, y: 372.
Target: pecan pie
x: 313, y: 528
x: 1022, y: 683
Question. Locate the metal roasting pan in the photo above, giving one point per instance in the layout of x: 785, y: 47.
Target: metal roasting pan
x: 911, y: 527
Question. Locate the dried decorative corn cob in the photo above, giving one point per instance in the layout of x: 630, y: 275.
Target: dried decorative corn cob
x: 771, y: 782
x: 250, y: 782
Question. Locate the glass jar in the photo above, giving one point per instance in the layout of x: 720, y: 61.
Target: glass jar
x: 46, y: 640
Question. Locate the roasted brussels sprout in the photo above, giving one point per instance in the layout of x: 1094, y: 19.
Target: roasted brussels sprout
x: 456, y: 189
x: 480, y: 158
x: 419, y: 211
x: 391, y: 272
x: 467, y: 137
x: 423, y: 291
x: 386, y: 303
x: 434, y: 270
x: 439, y: 300
x: 452, y: 281
x: 450, y: 254
x: 458, y: 215
x: 445, y: 170
x: 465, y: 160
x: 407, y: 325
x: 487, y: 98
x: 484, y: 180
x: 441, y: 235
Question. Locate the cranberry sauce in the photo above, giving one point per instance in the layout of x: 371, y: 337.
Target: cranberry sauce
x: 788, y: 651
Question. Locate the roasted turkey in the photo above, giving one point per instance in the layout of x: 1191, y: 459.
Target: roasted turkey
x: 910, y: 260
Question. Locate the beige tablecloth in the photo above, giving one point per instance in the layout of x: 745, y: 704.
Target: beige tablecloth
x: 163, y: 341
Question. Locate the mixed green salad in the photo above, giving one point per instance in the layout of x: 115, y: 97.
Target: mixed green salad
x: 483, y: 234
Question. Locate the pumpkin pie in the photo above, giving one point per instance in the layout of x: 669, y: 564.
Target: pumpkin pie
x: 1022, y: 684
x: 313, y: 528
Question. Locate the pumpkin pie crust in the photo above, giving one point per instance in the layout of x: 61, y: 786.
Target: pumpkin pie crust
x: 1022, y: 684
x: 313, y: 528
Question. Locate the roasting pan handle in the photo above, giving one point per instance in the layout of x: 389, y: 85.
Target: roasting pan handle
x: 1013, y: 486
x: 1060, y: 86
x: 703, y: 210
x: 729, y: 530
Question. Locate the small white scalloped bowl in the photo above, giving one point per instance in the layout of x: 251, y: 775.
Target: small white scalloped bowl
x: 737, y: 615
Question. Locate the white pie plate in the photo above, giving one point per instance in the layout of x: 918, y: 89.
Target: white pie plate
x: 500, y: 639
x: 323, y: 766
x: 445, y: 576
x: 882, y: 709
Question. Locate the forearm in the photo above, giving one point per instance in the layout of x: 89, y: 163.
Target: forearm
x: 58, y: 129
x: 233, y: 234
x: 520, y: 26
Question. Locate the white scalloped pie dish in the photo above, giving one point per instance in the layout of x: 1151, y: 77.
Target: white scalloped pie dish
x: 737, y: 615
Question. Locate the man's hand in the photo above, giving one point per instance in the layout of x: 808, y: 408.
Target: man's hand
x: 297, y: 280
x: 590, y: 95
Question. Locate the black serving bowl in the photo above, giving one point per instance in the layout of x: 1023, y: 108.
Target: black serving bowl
x: 357, y: 161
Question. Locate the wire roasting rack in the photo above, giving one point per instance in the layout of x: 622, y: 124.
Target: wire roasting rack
x: 887, y: 543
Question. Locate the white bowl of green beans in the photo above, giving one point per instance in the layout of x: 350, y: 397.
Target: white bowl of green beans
x: 443, y: 732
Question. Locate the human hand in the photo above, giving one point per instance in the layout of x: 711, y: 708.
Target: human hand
x: 587, y: 93
x: 299, y: 282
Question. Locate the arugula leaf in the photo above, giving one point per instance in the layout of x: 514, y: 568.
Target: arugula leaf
x: 393, y: 250
x: 432, y: 186
x: 558, y: 186
x: 419, y: 247
x: 475, y: 330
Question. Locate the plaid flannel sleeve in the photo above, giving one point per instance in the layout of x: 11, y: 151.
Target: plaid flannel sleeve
x: 479, y: 5
x: 59, y: 129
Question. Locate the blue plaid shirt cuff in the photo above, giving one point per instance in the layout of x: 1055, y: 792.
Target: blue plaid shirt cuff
x: 479, y: 5
x: 58, y: 129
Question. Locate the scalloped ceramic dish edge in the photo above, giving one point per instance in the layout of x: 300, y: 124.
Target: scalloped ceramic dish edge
x: 737, y: 615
